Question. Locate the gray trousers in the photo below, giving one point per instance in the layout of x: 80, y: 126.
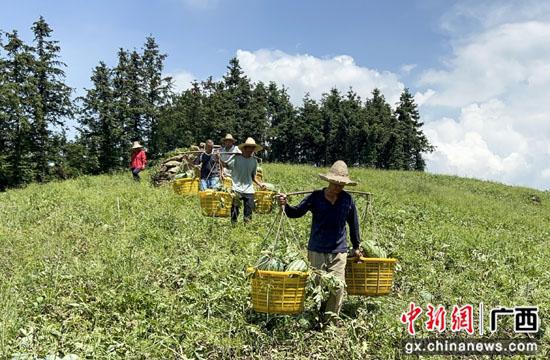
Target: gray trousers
x: 336, y: 265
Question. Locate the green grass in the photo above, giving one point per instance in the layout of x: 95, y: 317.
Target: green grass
x: 102, y: 267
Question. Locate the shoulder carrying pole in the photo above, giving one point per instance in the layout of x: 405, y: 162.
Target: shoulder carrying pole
x: 364, y: 193
x: 349, y: 191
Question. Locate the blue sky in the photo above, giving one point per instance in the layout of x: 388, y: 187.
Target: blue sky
x: 201, y: 36
x: 477, y: 68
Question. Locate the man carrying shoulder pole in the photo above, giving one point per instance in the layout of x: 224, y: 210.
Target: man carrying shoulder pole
x: 332, y: 208
x: 210, y: 167
x: 228, y: 151
x: 243, y: 173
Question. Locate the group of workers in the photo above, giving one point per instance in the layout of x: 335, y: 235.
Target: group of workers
x: 331, y: 207
x: 236, y: 162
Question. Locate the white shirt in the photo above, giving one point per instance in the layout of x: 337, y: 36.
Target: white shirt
x: 225, y: 157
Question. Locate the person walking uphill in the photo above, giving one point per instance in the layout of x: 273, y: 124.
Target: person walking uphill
x: 210, y: 167
x: 228, y: 151
x: 243, y: 172
x: 332, y: 208
x: 138, y: 160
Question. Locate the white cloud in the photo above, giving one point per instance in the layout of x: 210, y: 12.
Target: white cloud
x: 304, y: 73
x: 471, y: 157
x: 546, y: 174
x: 502, y: 62
x: 182, y: 80
x: 484, y: 144
x: 407, y: 68
x: 474, y: 15
x: 500, y: 81
x: 497, y: 80
x: 420, y: 98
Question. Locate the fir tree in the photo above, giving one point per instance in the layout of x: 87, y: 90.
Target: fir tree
x: 127, y: 96
x: 380, y: 122
x: 4, y: 120
x: 258, y: 116
x: 217, y: 114
x: 121, y: 102
x: 238, y: 92
x: 136, y: 126
x: 17, y: 90
x: 100, y: 129
x: 414, y: 141
x: 310, y: 120
x: 334, y: 126
x: 156, y: 90
x: 52, y: 101
x: 353, y: 115
x: 281, y: 117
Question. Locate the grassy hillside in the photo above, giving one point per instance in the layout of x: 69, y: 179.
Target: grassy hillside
x: 102, y: 267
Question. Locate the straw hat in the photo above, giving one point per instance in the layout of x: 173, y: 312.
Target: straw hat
x: 338, y: 174
x: 228, y: 137
x: 250, y: 142
x: 137, y: 145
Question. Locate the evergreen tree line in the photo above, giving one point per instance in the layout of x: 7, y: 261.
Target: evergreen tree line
x: 34, y: 103
x: 123, y: 105
x: 134, y: 101
x: 339, y: 126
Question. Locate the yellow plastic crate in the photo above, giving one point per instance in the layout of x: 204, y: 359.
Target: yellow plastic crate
x: 216, y: 203
x: 263, y: 201
x: 186, y: 186
x: 278, y: 292
x: 260, y: 176
x: 227, y: 183
x: 369, y: 276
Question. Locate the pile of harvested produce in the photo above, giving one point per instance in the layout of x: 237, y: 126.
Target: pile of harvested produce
x: 270, y: 262
x: 278, y: 279
x: 283, y: 252
x: 281, y: 280
x: 372, y: 249
x: 177, y: 164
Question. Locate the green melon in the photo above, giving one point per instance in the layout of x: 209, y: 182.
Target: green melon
x: 297, y: 265
x: 275, y: 265
x: 261, y: 264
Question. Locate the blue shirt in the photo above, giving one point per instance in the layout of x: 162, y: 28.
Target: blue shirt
x: 210, y: 166
x: 328, y: 226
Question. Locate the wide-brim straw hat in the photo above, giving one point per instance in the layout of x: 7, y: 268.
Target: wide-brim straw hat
x: 250, y: 142
x: 137, y: 145
x: 229, y: 137
x: 338, y: 174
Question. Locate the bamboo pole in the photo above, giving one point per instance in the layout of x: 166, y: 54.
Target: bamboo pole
x: 213, y: 152
x: 349, y: 191
x: 367, y: 194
